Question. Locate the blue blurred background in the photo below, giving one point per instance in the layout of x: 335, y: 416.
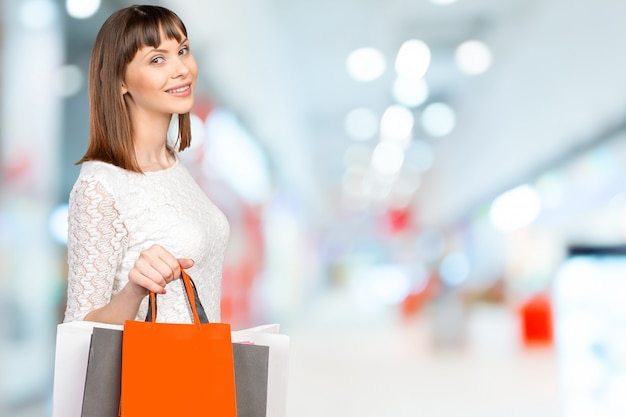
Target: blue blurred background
x: 428, y: 195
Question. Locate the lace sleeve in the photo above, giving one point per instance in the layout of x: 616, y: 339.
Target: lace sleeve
x: 95, y: 243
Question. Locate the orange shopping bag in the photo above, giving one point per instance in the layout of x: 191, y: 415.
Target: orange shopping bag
x: 177, y: 369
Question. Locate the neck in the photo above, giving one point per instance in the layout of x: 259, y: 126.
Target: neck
x: 157, y: 160
x: 150, y: 141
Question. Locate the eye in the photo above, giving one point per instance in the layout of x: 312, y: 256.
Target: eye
x: 157, y: 60
x: 183, y: 51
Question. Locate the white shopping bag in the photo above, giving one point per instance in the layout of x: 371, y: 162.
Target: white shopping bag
x: 70, y: 366
x: 278, y: 369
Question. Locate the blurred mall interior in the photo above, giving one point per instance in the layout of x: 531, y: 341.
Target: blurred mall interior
x: 428, y: 195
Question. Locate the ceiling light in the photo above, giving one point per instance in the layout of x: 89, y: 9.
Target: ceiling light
x: 473, y: 57
x: 82, y: 9
x: 413, y: 59
x: 438, y: 119
x: 396, y: 123
x: 366, y: 64
x: 387, y: 158
x: 515, y: 208
x: 443, y: 2
x: 410, y: 92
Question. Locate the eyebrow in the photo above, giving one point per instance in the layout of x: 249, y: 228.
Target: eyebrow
x: 164, y: 50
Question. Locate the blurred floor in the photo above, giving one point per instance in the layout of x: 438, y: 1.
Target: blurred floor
x: 348, y: 361
x: 37, y: 410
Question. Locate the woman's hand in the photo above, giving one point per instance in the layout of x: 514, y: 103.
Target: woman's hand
x: 154, y: 269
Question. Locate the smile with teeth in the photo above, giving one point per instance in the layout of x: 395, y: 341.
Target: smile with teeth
x: 179, y: 90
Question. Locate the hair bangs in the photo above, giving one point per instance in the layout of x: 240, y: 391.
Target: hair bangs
x: 147, y: 26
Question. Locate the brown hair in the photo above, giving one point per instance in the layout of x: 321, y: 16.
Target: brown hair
x: 120, y: 37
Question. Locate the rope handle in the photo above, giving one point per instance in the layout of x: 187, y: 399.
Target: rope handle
x: 197, y: 310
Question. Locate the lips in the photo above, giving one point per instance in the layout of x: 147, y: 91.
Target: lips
x: 179, y: 90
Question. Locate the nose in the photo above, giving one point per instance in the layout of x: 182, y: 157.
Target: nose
x: 181, y: 69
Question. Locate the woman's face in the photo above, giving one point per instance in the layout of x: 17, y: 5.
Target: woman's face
x: 160, y: 81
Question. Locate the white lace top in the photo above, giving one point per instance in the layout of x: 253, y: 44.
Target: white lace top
x: 114, y: 214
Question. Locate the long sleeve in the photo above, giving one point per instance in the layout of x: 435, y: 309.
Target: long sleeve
x: 97, y: 239
x: 115, y: 214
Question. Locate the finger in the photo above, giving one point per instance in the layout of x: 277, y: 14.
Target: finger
x: 162, y: 261
x: 185, y: 263
x: 139, y: 278
x: 152, y: 286
x: 165, y: 269
x: 154, y: 269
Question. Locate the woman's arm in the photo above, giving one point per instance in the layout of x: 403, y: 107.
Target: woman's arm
x: 97, y: 240
x: 123, y: 306
x: 96, y: 243
x: 153, y: 270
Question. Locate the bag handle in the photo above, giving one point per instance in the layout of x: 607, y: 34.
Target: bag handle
x: 198, y: 314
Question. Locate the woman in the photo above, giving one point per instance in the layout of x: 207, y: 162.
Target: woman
x: 136, y: 216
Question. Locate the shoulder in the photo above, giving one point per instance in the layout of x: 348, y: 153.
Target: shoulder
x: 101, y: 169
x: 101, y: 174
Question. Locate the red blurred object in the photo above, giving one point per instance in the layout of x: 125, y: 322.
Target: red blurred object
x: 202, y: 108
x: 412, y: 304
x: 398, y: 220
x: 536, y: 321
x: 18, y: 168
x: 417, y: 298
x: 240, y: 271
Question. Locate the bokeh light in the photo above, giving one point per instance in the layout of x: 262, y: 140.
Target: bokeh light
x: 387, y: 158
x: 366, y: 64
x: 438, y: 119
x: 410, y: 92
x: 454, y: 269
x: 82, y: 9
x: 396, y: 123
x: 413, y: 59
x: 473, y: 57
x: 515, y: 208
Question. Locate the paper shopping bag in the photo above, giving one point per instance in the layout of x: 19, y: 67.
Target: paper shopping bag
x: 171, y: 369
x: 251, y: 370
x: 103, y: 379
x: 70, y: 366
x: 278, y: 364
x: 251, y: 367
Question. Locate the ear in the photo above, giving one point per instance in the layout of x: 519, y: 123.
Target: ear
x: 124, y: 90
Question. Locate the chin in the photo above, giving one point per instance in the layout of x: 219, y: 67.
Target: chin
x: 182, y: 110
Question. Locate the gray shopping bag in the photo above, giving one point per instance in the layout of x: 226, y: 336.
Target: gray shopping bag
x: 278, y: 368
x: 251, y: 373
x: 103, y: 379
